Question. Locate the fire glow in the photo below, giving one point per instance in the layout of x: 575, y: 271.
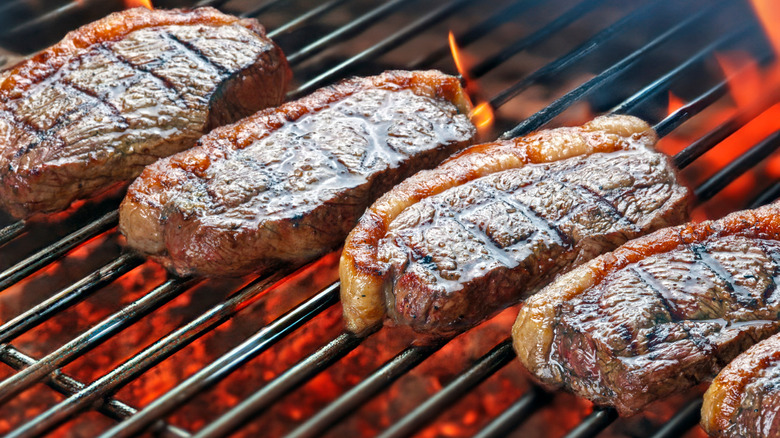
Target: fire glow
x: 752, y: 87
x: 482, y: 114
x: 138, y: 3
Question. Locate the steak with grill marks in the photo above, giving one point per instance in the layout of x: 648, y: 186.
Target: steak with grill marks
x: 287, y: 184
x: 658, y: 315
x: 117, y: 94
x: 451, y: 247
x: 744, y: 399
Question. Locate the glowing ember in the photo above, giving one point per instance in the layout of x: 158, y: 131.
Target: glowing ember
x: 138, y: 3
x: 482, y: 114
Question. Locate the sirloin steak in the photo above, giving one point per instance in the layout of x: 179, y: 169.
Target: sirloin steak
x: 658, y: 315
x: 450, y: 247
x: 121, y: 92
x: 286, y: 185
x: 744, y: 399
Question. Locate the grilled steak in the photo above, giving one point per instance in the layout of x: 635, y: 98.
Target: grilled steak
x: 287, y: 184
x: 744, y: 399
x: 117, y: 94
x: 450, y: 247
x: 659, y: 314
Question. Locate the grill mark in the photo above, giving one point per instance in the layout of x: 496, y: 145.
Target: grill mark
x: 601, y: 200
x: 703, y: 344
x: 167, y: 84
x: 775, y: 277
x: 195, y: 51
x: 26, y: 127
x: 538, y: 221
x: 703, y: 256
x: 50, y: 134
x: 91, y: 94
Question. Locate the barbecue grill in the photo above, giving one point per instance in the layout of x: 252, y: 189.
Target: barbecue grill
x: 100, y: 326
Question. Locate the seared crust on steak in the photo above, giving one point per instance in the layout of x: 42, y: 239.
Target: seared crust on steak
x: 449, y: 247
x: 287, y: 184
x: 659, y: 314
x: 117, y: 94
x: 744, y: 399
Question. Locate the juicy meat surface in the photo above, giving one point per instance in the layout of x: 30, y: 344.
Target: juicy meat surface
x: 451, y: 247
x: 119, y: 93
x: 744, y: 399
x: 658, y: 315
x: 287, y: 184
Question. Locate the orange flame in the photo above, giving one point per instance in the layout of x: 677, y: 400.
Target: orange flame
x: 138, y: 3
x: 675, y: 103
x: 482, y: 114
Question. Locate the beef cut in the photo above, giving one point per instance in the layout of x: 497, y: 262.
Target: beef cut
x: 117, y: 94
x: 286, y: 185
x: 658, y: 315
x: 744, y: 399
x: 450, y: 247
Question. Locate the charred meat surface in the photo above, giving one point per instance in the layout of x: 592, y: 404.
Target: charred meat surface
x: 658, y: 315
x: 117, y: 94
x: 287, y: 184
x: 744, y: 399
x: 450, y: 247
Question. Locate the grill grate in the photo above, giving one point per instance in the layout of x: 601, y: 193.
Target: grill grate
x: 743, y: 33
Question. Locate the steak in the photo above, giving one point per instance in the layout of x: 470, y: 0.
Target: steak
x: 286, y: 185
x: 119, y: 93
x: 744, y: 399
x: 658, y: 315
x: 450, y: 247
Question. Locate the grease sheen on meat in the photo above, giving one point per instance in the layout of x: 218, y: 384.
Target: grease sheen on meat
x: 287, y: 184
x: 117, y: 94
x: 658, y: 315
x: 744, y: 399
x: 450, y: 247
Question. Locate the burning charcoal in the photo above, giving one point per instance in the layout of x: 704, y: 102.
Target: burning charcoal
x: 287, y: 184
x: 658, y: 315
x: 117, y: 94
x: 450, y: 247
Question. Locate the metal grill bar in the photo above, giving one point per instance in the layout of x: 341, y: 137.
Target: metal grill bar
x: 382, y: 47
x: 274, y: 390
x: 477, y: 32
x: 149, y: 357
x: 505, y: 423
x: 10, y: 232
x: 366, y: 389
x: 67, y: 385
x: 345, y: 32
x: 769, y: 195
x: 486, y: 366
x: 578, y: 11
x: 594, y: 423
x: 54, y: 251
x: 270, y: 4
x: 663, y: 83
x: 684, y: 420
x: 542, y: 117
x: 320, y: 10
x: 228, y: 363
x: 68, y: 296
x: 576, y: 54
x: 738, y: 167
x: 92, y: 337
